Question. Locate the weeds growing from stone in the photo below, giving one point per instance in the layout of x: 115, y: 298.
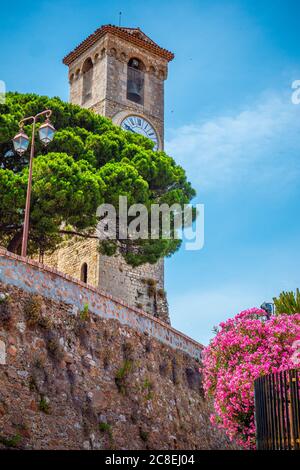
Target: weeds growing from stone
x: 121, y: 376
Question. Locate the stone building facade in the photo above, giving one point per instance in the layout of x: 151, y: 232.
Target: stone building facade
x: 141, y: 287
x: 119, y: 73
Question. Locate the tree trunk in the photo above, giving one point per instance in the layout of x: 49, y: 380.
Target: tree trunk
x: 15, y: 242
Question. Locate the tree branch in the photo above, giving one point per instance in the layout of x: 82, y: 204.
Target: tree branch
x: 78, y: 234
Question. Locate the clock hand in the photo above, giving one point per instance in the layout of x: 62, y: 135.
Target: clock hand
x: 128, y: 128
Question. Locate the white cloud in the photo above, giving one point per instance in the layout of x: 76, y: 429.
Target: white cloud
x: 258, y: 145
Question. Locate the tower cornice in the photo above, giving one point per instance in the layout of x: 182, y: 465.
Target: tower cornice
x: 133, y: 35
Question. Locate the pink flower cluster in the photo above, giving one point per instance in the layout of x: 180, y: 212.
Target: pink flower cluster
x: 246, y: 347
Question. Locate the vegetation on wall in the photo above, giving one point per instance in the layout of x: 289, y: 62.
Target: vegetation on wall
x: 90, y: 161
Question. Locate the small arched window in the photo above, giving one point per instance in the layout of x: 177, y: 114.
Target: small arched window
x: 135, y: 81
x: 87, y: 79
x: 84, y: 273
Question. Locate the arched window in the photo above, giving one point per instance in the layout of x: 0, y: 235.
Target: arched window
x: 84, y: 273
x: 87, y: 79
x: 135, y: 81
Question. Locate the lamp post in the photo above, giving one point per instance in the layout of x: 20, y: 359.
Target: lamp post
x: 21, y: 143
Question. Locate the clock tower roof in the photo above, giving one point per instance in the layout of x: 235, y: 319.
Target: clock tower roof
x: 133, y: 35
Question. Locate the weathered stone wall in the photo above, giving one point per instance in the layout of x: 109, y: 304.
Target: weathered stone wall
x: 70, y: 379
x: 98, y: 90
x: 70, y: 258
x: 141, y: 287
x: 36, y: 278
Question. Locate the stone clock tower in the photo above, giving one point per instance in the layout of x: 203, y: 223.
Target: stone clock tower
x: 119, y: 73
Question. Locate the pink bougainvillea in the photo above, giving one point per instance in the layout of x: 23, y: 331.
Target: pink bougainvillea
x: 246, y: 347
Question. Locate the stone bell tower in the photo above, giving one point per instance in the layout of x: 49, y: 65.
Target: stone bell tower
x: 119, y: 73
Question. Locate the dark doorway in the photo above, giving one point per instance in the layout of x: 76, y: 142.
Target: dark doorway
x: 84, y: 273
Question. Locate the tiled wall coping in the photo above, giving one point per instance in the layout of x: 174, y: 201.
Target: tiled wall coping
x: 170, y: 331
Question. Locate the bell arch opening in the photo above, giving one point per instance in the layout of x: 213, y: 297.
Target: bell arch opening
x: 87, y: 79
x: 135, y: 80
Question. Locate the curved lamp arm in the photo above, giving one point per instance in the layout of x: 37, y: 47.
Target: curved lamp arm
x: 47, y: 112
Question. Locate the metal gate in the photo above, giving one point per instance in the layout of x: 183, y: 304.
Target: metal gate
x: 277, y: 411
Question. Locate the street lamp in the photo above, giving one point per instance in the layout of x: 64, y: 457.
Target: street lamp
x: 46, y: 132
x: 21, y: 143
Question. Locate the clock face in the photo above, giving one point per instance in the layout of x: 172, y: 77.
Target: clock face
x: 138, y: 125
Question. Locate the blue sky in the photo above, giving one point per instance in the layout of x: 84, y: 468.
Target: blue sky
x: 229, y: 121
